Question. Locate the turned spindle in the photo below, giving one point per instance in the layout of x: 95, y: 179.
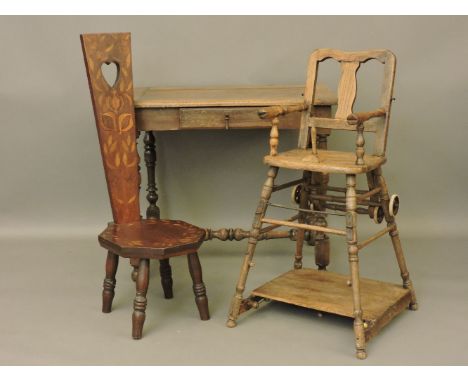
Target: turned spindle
x: 224, y: 234
x: 360, y: 144
x: 274, y: 137
x: 238, y: 234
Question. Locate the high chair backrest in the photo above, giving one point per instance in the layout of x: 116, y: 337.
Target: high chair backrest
x: 347, y: 87
x: 115, y: 119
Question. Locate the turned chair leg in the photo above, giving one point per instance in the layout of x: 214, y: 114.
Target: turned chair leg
x: 253, y: 238
x: 394, y: 235
x: 112, y: 263
x: 351, y: 235
x: 139, y: 304
x: 199, y: 288
x: 166, y: 278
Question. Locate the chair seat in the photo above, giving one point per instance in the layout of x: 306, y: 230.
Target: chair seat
x: 152, y: 238
x: 325, y: 161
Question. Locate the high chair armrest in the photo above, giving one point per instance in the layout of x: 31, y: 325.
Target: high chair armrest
x: 361, y: 117
x: 275, y: 111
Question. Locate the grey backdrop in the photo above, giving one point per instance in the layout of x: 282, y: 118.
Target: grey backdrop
x: 53, y: 198
x: 52, y: 178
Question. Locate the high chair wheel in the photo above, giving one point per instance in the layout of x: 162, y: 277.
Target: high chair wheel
x: 296, y: 194
x: 394, y: 205
x: 378, y: 214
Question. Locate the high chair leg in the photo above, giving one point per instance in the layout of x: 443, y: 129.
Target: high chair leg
x: 394, y: 235
x: 254, y: 232
x: 353, y: 258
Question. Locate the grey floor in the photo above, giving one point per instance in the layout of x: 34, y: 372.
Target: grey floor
x: 50, y: 297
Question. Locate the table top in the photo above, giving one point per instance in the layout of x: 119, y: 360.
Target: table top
x: 228, y: 96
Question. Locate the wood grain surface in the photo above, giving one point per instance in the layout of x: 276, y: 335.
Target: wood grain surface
x: 152, y: 238
x: 330, y: 292
x: 325, y: 161
x: 225, y: 96
x: 115, y: 120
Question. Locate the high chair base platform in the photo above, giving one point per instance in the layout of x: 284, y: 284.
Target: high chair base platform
x: 332, y: 293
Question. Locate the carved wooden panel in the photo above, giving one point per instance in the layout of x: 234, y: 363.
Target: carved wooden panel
x: 115, y: 119
x: 347, y: 89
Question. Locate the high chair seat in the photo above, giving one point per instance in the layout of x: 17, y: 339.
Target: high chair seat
x: 325, y: 161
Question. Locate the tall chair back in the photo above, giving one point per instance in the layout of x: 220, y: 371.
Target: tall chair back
x: 115, y: 119
x: 344, y: 118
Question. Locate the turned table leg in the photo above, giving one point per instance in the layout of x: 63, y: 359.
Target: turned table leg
x: 303, y: 204
x: 150, y: 161
x: 322, y: 241
x: 153, y: 212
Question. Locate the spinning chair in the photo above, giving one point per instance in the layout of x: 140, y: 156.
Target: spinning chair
x: 129, y: 235
x: 371, y: 303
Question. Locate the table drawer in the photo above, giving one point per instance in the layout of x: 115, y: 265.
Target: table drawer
x: 219, y: 118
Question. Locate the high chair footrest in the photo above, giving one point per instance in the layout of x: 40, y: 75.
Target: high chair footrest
x: 304, y: 226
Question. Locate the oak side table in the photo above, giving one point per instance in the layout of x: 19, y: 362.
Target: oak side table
x: 218, y: 108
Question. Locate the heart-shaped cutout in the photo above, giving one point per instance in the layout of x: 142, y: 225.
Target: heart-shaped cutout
x: 110, y: 72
